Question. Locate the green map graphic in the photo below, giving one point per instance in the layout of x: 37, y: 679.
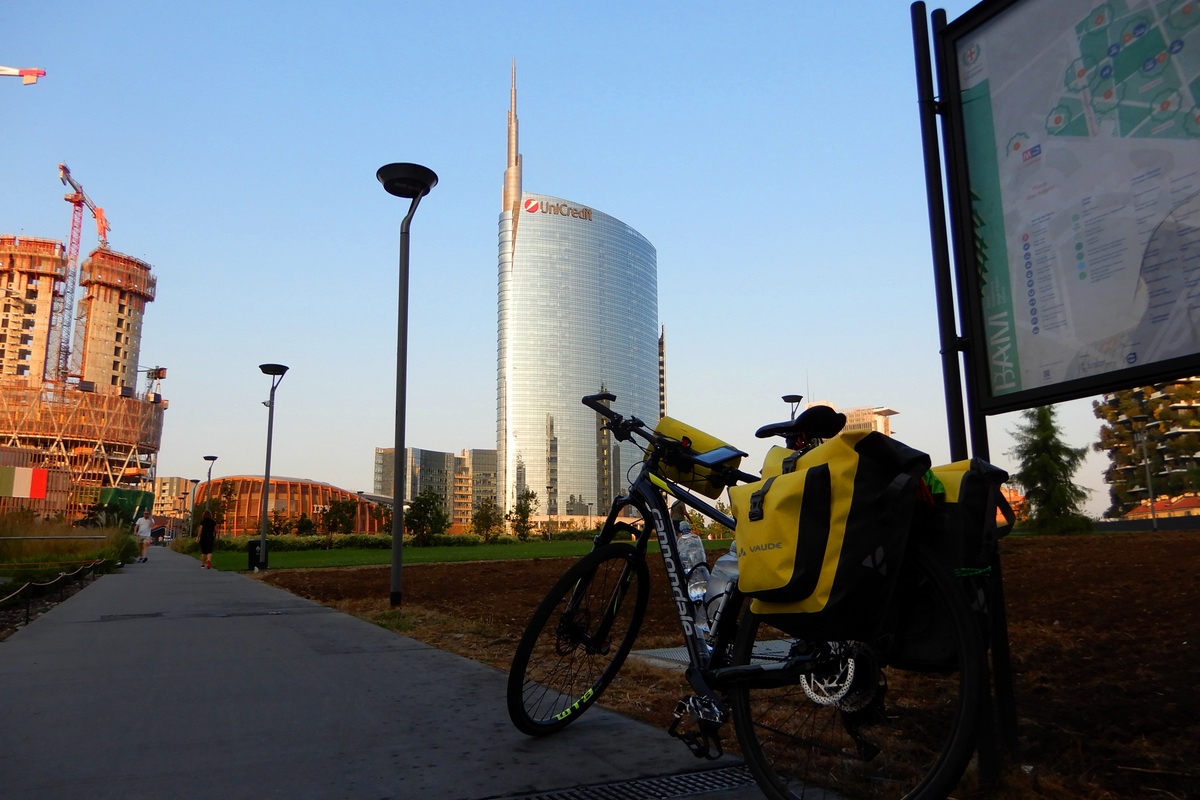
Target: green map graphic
x: 1137, y: 74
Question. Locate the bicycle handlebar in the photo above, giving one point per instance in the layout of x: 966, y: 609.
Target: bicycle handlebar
x: 668, y: 450
x: 621, y: 427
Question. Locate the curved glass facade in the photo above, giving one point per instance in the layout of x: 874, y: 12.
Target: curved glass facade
x: 578, y: 313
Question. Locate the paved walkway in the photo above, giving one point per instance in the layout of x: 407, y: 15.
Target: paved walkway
x: 164, y: 680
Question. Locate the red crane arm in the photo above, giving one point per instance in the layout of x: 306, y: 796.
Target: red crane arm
x: 80, y: 197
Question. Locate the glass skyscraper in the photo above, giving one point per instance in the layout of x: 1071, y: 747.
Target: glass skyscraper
x: 578, y: 314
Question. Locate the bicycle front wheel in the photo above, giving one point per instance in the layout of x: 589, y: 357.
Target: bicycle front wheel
x: 853, y: 723
x: 577, y: 639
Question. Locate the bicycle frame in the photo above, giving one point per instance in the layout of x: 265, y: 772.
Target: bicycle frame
x: 647, y: 494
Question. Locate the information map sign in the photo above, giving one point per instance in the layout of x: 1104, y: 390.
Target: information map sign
x: 1079, y: 124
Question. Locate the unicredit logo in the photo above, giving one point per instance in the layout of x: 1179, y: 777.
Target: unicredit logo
x: 560, y: 209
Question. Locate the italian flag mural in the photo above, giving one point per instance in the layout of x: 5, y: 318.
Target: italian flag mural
x: 23, y: 482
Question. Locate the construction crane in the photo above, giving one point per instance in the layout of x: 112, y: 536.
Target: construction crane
x: 64, y: 304
x: 27, y: 75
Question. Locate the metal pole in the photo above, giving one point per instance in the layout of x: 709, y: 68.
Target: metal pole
x: 401, y: 409
x: 943, y: 287
x: 208, y: 485
x: 262, y: 537
x: 267, y: 476
x: 412, y: 181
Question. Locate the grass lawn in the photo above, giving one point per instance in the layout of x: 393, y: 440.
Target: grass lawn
x: 232, y: 560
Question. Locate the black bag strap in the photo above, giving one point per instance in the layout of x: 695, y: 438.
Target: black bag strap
x: 789, y: 463
x: 757, y: 499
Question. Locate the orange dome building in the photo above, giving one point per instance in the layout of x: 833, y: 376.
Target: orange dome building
x: 290, y: 498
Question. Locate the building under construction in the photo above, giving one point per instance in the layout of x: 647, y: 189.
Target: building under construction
x: 69, y: 400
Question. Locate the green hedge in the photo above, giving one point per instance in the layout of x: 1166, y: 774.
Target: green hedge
x: 339, y: 541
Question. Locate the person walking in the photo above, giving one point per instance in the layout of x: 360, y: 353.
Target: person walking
x: 208, y: 538
x: 143, y: 528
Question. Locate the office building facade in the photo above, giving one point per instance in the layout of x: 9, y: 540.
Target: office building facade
x: 577, y: 314
x: 463, y: 481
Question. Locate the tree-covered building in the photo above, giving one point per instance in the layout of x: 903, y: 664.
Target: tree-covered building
x: 1152, y: 437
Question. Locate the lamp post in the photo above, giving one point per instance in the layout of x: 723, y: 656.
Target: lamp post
x: 192, y: 506
x: 410, y: 181
x: 208, y: 484
x: 182, y: 511
x: 276, y: 371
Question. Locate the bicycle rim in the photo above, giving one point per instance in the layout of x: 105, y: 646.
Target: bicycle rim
x: 564, y: 662
x: 895, y: 733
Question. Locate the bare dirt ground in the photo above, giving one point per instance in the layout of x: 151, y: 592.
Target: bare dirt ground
x: 1104, y: 632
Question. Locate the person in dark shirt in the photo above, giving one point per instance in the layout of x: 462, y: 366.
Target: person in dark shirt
x: 208, y: 537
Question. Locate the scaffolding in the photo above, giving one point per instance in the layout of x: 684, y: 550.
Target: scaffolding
x: 118, y: 288
x: 101, y: 437
x: 32, y: 279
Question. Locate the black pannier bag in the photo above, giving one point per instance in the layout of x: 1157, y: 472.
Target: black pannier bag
x: 821, y: 536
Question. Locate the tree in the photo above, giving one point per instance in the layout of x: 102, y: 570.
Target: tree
x: 426, y: 517
x: 219, y: 502
x: 715, y: 529
x: 488, y: 519
x: 518, y: 516
x: 1047, y: 466
x: 341, y: 516
x: 281, y: 524
x: 383, y: 515
x: 305, y: 526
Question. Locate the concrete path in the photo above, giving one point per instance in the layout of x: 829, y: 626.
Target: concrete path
x: 164, y: 680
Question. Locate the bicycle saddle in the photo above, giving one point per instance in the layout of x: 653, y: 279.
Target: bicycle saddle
x: 821, y: 422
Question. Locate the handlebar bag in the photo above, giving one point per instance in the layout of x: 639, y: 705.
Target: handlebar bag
x: 689, y: 474
x: 825, y: 535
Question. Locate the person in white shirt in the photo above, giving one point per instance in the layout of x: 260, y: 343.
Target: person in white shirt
x: 142, y: 529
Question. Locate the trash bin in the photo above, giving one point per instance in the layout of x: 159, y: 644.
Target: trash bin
x: 257, y: 560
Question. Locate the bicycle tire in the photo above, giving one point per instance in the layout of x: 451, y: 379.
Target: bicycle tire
x: 555, y: 674
x: 919, y: 710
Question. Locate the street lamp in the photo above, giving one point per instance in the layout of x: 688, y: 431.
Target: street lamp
x: 410, y: 181
x: 208, y: 485
x: 192, y: 506
x: 276, y: 371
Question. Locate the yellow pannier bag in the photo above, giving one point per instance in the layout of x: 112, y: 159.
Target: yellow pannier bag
x: 692, y: 476
x: 975, y: 515
x: 823, y: 532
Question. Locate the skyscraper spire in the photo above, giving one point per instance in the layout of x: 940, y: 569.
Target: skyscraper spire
x: 512, y: 174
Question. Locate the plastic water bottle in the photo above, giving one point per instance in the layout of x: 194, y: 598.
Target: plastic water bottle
x: 695, y: 566
x: 723, y: 579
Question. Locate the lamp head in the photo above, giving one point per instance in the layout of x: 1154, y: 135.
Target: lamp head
x: 273, y: 369
x: 210, y: 458
x: 407, y: 180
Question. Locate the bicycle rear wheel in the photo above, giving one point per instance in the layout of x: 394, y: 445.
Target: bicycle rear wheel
x: 577, y: 639
x: 850, y: 725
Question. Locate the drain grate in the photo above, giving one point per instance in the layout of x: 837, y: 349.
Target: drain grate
x: 685, y: 785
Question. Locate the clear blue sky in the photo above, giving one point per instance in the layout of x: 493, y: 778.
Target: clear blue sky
x: 770, y: 151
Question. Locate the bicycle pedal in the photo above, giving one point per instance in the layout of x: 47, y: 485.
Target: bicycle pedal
x: 706, y: 743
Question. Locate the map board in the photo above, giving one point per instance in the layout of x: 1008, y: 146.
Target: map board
x: 1079, y: 125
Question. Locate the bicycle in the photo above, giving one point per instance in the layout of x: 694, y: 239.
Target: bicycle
x: 891, y: 714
